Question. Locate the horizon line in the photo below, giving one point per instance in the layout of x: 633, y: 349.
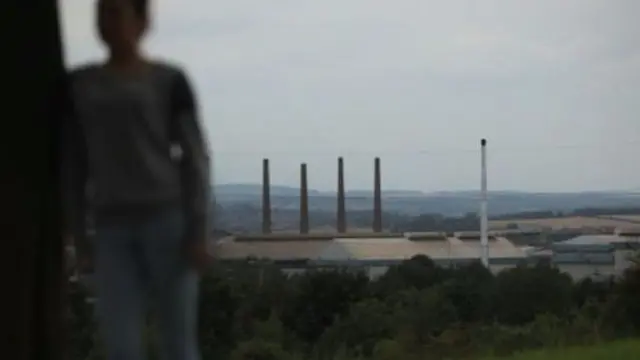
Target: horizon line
x: 292, y: 187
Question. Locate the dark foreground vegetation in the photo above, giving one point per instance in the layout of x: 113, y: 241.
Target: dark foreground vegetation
x: 415, y: 311
x: 616, y: 350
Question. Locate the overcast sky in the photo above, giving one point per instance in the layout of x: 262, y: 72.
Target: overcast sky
x: 554, y: 85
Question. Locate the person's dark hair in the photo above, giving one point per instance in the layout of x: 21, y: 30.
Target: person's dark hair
x: 141, y: 8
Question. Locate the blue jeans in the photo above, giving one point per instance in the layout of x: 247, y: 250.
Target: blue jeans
x: 139, y: 261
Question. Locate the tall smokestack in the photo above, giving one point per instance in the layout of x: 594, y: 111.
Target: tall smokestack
x: 484, y: 223
x: 266, y: 198
x: 304, y: 200
x: 341, y: 213
x: 377, y: 197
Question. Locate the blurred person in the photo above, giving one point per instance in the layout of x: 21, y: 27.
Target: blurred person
x: 133, y: 133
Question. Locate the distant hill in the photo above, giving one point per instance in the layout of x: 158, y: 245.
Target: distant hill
x: 452, y: 203
x: 281, y: 190
x: 385, y: 193
x: 256, y: 189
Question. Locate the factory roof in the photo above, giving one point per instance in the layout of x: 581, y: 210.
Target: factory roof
x: 391, y: 249
x: 592, y: 240
x: 597, y: 243
x: 593, y: 258
x: 601, y: 240
x: 499, y: 247
x: 229, y: 249
x: 360, y: 248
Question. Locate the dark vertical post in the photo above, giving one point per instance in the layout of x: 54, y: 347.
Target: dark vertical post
x: 484, y: 223
x: 377, y: 197
x: 304, y: 200
x: 266, y: 198
x: 341, y: 213
x: 32, y: 269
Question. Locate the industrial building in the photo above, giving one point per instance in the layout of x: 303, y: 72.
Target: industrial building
x: 595, y: 255
x: 374, y: 252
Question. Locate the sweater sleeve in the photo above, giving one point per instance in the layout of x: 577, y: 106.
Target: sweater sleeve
x: 195, y: 161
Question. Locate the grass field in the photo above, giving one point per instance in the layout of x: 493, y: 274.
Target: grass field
x: 621, y: 350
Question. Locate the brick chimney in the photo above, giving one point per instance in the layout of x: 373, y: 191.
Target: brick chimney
x: 377, y: 197
x: 266, y: 198
x: 341, y: 215
x: 304, y: 200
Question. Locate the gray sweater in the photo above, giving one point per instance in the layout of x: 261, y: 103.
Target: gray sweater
x: 138, y: 142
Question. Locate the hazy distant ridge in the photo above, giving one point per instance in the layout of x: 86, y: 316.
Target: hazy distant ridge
x: 283, y: 190
x: 417, y: 202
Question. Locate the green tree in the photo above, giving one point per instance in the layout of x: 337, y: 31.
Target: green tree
x: 623, y: 308
x: 424, y: 314
x: 81, y: 322
x: 523, y: 292
x: 388, y: 349
x: 259, y: 349
x: 367, y: 322
x: 419, y: 272
x: 320, y: 297
x: 218, y: 304
x: 470, y: 290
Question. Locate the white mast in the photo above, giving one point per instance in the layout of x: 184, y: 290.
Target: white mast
x: 484, y: 224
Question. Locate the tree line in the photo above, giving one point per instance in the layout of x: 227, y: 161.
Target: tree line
x: 416, y: 310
